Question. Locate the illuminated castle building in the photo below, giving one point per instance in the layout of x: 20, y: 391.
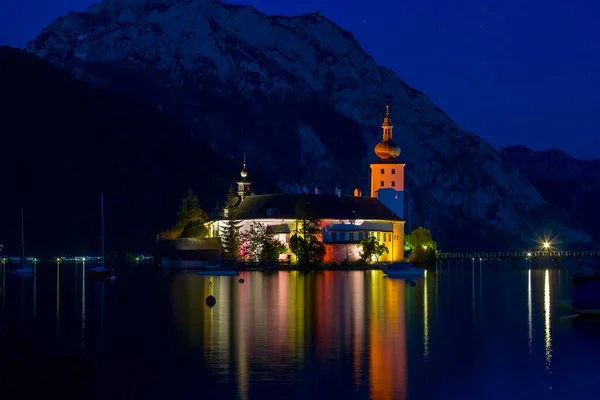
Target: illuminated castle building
x: 345, y: 220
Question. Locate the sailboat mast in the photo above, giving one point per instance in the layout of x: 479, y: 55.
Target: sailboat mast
x: 102, y: 215
x: 22, y: 239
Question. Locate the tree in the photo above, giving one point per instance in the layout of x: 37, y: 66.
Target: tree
x: 191, y: 220
x: 307, y: 248
x: 230, y: 231
x: 408, y: 243
x: 371, y: 247
x: 421, y: 238
x: 424, y: 248
x: 260, y: 245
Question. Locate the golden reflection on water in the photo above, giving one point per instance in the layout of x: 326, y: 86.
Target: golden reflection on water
x: 291, y: 322
x: 547, y: 321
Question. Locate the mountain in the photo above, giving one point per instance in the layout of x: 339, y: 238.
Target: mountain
x: 571, y: 186
x: 64, y: 142
x: 302, y: 98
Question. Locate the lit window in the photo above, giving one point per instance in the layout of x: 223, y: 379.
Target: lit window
x: 382, y: 183
x: 382, y: 171
x: 393, y: 183
x: 393, y: 171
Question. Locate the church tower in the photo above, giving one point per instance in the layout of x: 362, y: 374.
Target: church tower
x: 387, y: 174
x: 244, y: 183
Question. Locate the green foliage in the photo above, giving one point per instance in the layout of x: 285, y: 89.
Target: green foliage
x: 304, y: 244
x: 408, y: 243
x: 260, y: 245
x: 421, y: 238
x: 230, y: 231
x: 423, y: 258
x: 308, y: 249
x: 424, y: 248
x: 371, y: 247
x: 191, y: 220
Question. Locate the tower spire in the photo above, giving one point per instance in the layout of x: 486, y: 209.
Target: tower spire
x: 387, y: 149
x: 243, y: 183
x: 243, y: 172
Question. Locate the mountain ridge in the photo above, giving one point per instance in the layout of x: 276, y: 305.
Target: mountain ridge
x: 304, y: 100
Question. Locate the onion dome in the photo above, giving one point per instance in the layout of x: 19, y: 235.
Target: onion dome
x: 387, y: 148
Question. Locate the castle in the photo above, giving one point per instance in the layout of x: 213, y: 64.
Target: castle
x: 345, y: 220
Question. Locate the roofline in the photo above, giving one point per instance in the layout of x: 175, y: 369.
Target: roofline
x: 296, y: 219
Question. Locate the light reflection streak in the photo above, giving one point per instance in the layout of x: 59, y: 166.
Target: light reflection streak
x: 242, y: 341
x: 57, y: 301
x: 530, y: 312
x: 547, y: 319
x: 83, y: 306
x: 34, y: 290
x: 425, y: 318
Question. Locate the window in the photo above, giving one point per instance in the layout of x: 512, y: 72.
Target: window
x: 334, y: 237
x: 351, y: 236
x: 384, y: 236
x: 382, y: 170
x: 393, y: 171
x: 393, y: 183
x: 381, y: 183
x: 390, y: 237
x: 377, y: 234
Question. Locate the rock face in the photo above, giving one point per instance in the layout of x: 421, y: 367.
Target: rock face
x: 64, y: 142
x: 569, y: 185
x: 306, y: 103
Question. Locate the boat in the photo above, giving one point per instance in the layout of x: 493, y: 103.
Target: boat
x: 217, y: 272
x: 403, y: 270
x: 100, y: 271
x: 25, y: 268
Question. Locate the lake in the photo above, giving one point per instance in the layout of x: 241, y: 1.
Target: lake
x: 462, y: 333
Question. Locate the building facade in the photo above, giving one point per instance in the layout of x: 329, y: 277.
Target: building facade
x: 345, y: 220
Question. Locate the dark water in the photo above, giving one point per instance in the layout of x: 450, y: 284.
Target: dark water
x: 466, y: 333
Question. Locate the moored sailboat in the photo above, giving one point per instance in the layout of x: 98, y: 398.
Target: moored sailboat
x: 100, y: 271
x: 25, y: 268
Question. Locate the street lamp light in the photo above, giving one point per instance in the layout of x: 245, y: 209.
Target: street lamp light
x: 546, y: 245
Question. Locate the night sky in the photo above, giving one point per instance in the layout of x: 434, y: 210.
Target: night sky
x: 512, y: 71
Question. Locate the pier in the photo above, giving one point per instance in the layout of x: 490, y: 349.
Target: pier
x: 532, y: 256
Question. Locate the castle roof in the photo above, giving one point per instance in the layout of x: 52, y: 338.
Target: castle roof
x: 318, y: 206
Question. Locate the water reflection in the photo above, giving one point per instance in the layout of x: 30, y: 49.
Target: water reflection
x: 83, y: 306
x: 57, y: 302
x: 425, y: 318
x: 529, y: 313
x: 548, y: 338
x: 356, y: 318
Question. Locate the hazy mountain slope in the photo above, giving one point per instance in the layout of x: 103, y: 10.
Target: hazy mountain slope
x: 571, y: 186
x: 304, y: 100
x: 65, y: 141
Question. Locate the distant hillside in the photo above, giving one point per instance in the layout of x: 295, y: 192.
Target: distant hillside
x: 302, y: 97
x: 571, y: 186
x: 64, y: 142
